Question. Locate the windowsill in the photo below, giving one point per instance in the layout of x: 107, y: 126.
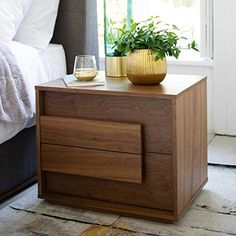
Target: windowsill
x: 203, y: 62
x: 195, y: 61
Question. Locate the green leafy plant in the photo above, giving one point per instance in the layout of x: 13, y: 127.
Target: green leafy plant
x: 151, y: 34
x: 112, y: 33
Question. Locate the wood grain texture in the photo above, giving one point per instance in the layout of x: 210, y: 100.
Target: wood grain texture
x: 174, y: 146
x: 191, y: 144
x: 154, y: 115
x: 92, y: 163
x: 111, y: 207
x: 102, y: 135
x: 39, y: 111
x: 155, y: 190
x: 172, y: 86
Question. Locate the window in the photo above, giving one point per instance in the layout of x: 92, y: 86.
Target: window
x: 193, y: 18
x: 206, y: 27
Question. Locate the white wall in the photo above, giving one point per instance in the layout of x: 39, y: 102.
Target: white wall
x: 199, y: 68
x: 222, y: 74
x: 225, y: 67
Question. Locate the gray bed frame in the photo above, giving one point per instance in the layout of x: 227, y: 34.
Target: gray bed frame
x: 18, y: 155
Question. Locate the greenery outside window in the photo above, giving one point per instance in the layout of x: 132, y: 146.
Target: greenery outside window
x: 116, y: 14
x: 193, y: 17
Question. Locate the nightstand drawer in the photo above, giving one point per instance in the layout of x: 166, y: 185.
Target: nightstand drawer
x: 94, y: 134
x: 155, y: 115
x: 92, y: 163
x: 156, y: 190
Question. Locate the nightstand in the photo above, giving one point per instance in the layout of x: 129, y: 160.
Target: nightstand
x: 132, y: 150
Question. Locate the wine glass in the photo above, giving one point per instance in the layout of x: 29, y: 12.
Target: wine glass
x: 85, y: 68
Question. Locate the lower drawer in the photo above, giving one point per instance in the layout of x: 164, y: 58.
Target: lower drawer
x: 118, y: 166
x: 155, y: 191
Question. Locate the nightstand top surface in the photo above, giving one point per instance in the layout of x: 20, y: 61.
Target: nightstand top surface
x: 172, y: 86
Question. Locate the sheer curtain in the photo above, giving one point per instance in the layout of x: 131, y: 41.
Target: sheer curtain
x: 77, y: 29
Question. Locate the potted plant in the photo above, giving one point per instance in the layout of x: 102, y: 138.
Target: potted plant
x: 115, y: 62
x: 116, y: 14
x: 146, y: 44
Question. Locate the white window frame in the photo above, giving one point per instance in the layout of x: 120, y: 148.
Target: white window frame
x: 206, y: 35
x: 207, y: 29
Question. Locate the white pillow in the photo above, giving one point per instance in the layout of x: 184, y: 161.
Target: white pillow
x: 37, y: 28
x: 12, y: 12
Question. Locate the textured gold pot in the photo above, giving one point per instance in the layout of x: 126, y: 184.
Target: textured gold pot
x: 141, y: 68
x: 115, y: 66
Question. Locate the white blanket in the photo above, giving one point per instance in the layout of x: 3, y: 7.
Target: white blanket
x: 36, y: 67
x: 32, y: 69
x: 14, y: 99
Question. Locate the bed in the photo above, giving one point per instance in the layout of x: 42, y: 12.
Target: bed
x: 18, y: 146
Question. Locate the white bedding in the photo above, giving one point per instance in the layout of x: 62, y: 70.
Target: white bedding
x: 36, y: 67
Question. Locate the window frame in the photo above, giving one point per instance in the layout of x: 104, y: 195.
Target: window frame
x: 206, y: 31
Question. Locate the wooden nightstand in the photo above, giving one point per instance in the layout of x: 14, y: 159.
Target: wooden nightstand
x: 132, y: 150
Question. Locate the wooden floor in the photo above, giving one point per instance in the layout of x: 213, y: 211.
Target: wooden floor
x: 213, y: 213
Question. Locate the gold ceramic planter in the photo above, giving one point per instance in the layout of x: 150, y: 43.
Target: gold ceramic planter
x: 142, y: 69
x: 115, y: 66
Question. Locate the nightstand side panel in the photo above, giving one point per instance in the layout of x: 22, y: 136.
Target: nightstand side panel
x: 191, y: 145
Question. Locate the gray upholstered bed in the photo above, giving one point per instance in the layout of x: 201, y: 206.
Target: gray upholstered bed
x: 76, y: 31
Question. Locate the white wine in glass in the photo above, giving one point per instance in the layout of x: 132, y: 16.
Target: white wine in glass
x: 85, y: 74
x: 85, y: 68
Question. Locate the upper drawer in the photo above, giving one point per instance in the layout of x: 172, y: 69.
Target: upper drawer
x: 93, y: 134
x: 154, y: 114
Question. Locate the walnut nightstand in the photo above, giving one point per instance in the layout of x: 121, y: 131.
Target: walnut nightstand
x: 132, y: 150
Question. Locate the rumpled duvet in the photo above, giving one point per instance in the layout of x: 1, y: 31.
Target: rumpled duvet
x: 14, y: 99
